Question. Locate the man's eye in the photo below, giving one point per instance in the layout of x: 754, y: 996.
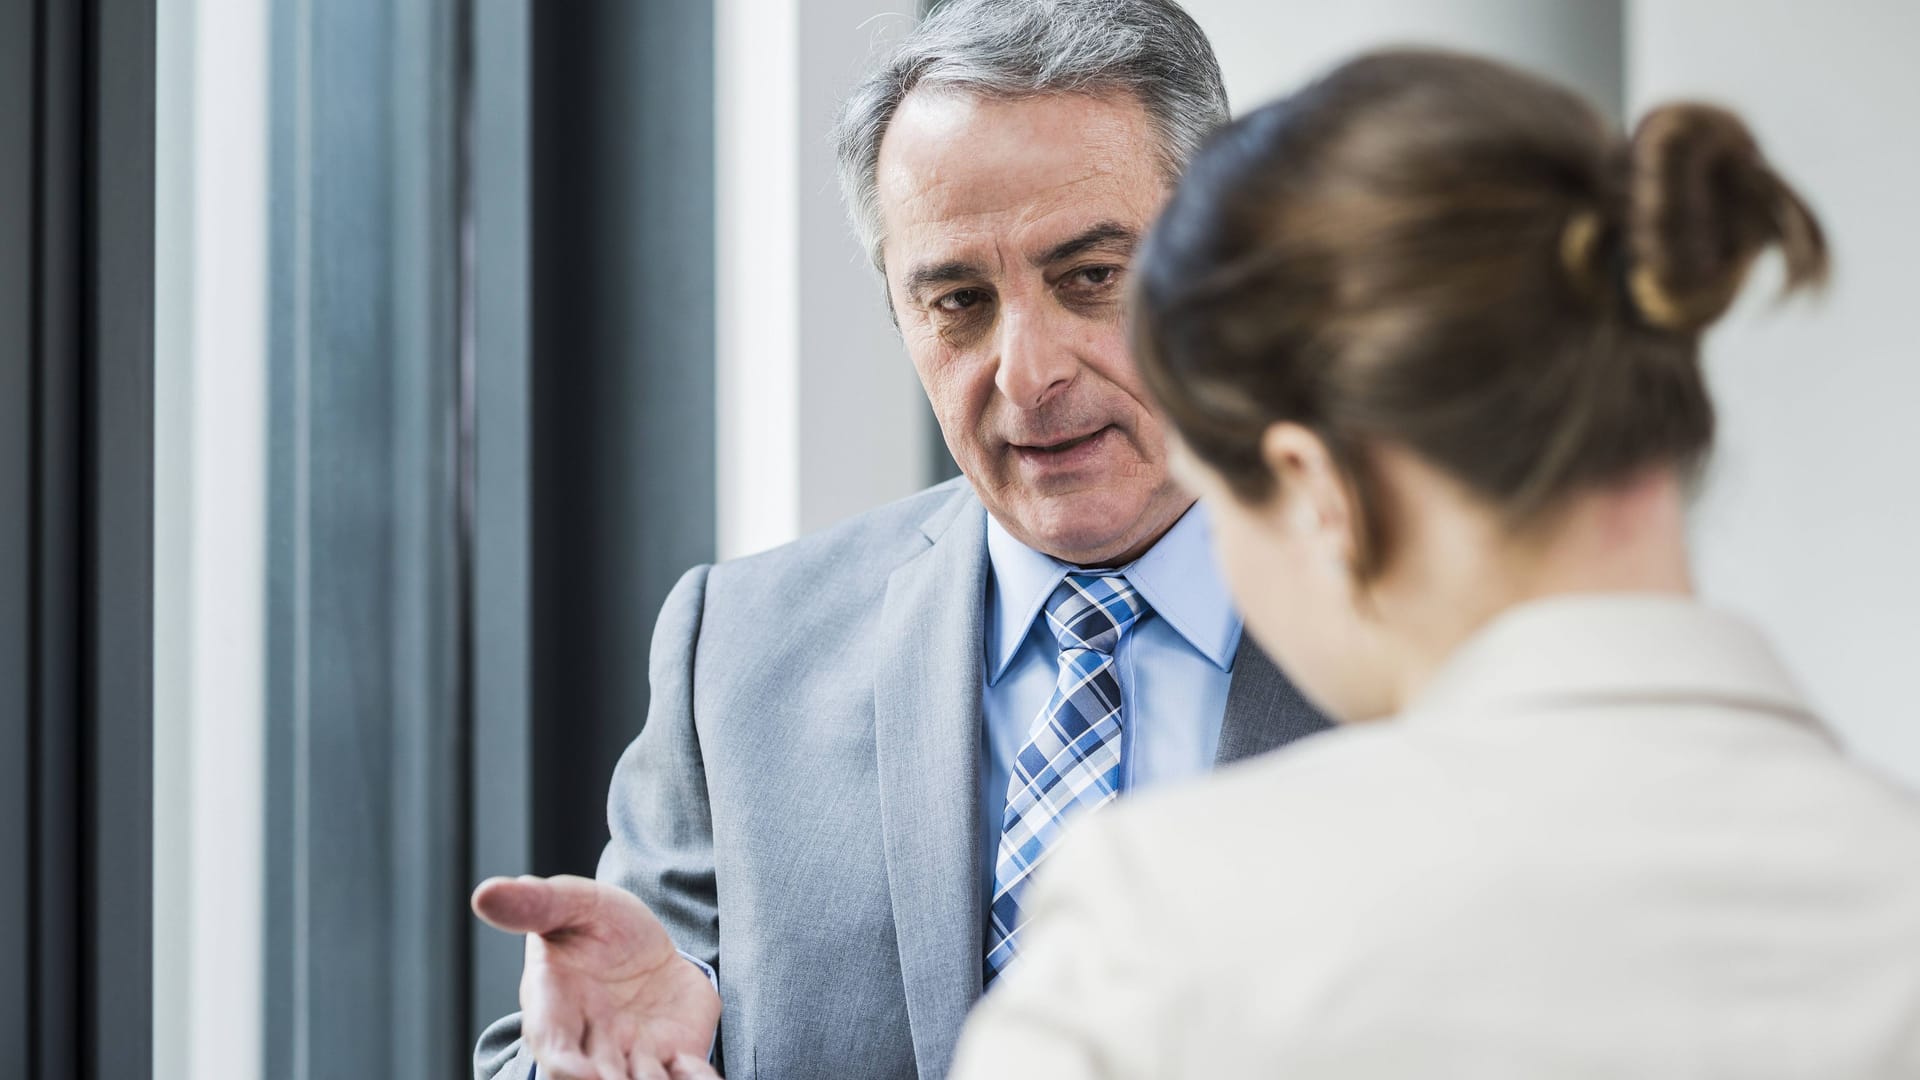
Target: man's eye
x: 1092, y: 282
x: 960, y: 300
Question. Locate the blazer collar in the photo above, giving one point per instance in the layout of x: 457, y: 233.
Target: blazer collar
x: 1265, y: 711
x: 1615, y: 647
x: 927, y: 729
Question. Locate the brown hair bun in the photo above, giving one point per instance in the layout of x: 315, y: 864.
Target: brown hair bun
x: 1702, y: 204
x: 1458, y: 258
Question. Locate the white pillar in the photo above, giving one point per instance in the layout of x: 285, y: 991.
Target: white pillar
x: 210, y: 537
x: 819, y: 413
x: 757, y: 303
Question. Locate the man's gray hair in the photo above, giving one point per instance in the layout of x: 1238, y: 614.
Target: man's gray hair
x: 1010, y: 49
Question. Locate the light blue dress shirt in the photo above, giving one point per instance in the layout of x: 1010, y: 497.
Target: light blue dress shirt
x: 1174, y: 665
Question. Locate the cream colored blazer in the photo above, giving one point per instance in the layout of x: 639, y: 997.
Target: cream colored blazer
x: 1610, y: 840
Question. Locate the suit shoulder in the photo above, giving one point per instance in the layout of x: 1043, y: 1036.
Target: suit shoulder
x: 860, y: 548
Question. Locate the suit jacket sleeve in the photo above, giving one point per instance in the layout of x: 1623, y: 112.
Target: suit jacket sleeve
x: 657, y: 814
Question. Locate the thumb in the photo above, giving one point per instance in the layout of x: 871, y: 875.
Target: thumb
x: 534, y: 905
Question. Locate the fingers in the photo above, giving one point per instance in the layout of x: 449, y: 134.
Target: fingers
x: 565, y: 1066
x: 552, y: 1030
x: 569, y: 1045
x: 608, y: 1056
x: 558, y: 1053
x: 532, y: 905
x: 688, y: 1067
x: 644, y: 1066
x: 582, y: 1055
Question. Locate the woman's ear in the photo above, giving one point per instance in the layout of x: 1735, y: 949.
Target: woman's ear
x: 1313, y: 502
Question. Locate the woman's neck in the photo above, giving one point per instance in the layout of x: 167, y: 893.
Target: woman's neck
x: 1627, y: 539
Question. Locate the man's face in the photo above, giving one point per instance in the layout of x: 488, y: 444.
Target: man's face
x: 1009, y: 227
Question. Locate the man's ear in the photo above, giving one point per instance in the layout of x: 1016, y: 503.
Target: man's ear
x: 1312, y: 499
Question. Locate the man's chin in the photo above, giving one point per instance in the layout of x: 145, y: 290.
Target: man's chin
x: 1089, y: 527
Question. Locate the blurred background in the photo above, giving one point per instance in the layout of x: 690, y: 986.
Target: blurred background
x: 475, y: 323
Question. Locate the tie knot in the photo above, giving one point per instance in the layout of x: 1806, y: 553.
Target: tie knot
x: 1093, y: 611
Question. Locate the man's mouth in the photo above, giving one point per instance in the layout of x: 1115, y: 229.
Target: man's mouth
x: 1062, y: 446
x: 1064, y: 457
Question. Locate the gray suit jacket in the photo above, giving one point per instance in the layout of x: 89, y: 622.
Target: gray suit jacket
x: 799, y: 809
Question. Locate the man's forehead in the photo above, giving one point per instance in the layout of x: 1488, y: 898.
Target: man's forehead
x: 958, y: 171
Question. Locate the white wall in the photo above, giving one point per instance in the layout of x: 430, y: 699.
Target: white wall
x: 1267, y: 48
x: 863, y: 415
x: 1811, y: 520
x: 820, y: 415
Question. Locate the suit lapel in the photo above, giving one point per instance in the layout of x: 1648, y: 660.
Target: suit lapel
x: 927, y: 717
x: 1264, y: 710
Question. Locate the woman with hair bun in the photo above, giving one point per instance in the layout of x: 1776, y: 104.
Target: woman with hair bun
x: 1429, y: 334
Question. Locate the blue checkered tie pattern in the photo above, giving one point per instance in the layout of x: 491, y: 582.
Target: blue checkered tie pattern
x: 1071, y: 762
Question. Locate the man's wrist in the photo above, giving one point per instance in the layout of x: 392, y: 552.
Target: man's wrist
x: 713, y: 978
x: 705, y: 968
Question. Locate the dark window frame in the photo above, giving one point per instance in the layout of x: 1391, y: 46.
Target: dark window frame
x: 76, y: 595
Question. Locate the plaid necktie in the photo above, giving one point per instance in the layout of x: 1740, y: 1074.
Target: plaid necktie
x: 1071, y: 762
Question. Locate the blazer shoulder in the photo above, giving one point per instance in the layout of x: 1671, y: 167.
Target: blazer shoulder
x: 1287, y: 803
x: 853, y: 553
x: 1329, y: 767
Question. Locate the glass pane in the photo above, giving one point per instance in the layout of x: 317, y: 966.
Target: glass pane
x: 310, y: 763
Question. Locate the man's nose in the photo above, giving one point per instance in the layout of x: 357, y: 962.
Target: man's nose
x: 1036, y: 361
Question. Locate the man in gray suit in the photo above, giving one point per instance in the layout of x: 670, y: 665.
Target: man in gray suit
x: 860, y: 744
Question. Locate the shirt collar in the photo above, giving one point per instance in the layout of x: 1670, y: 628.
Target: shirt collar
x: 1177, y: 577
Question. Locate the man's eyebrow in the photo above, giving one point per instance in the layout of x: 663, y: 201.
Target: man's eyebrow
x: 946, y: 273
x: 1108, y: 234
